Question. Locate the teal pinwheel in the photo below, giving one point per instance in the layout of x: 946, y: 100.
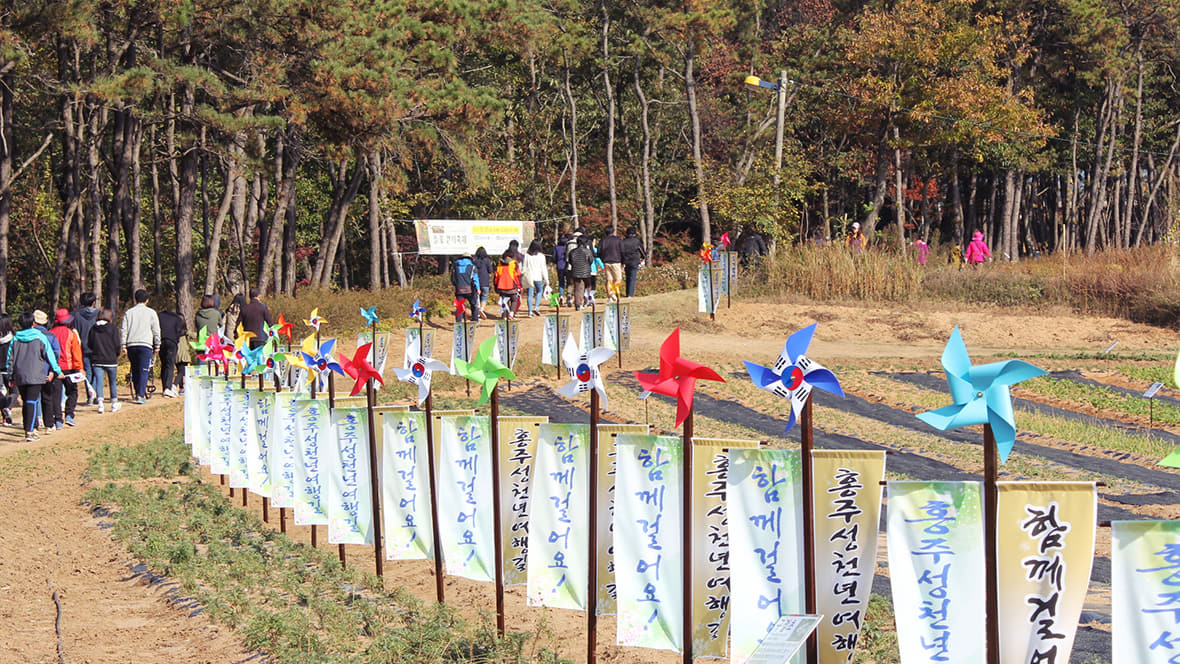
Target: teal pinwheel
x: 370, y: 315
x: 253, y: 359
x: 980, y: 393
x: 484, y: 369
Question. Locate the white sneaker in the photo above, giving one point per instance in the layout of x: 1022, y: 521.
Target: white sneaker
x: 116, y: 405
x: 100, y: 407
x: 170, y: 393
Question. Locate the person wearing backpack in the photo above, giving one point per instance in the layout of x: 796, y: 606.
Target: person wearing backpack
x: 507, y: 284
x: 465, y: 279
x: 581, y: 259
x: 484, y: 269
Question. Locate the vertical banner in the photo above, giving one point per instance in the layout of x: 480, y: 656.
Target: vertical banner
x: 728, y: 272
x: 241, y: 434
x: 427, y: 348
x: 282, y: 449
x: 705, y: 304
x: 202, y: 443
x: 936, y: 568
x: 462, y: 344
x: 518, y: 449
x: 192, y: 405
x: 465, y: 497
x: 348, y: 497
x: 507, y: 333
x: 591, y: 336
x: 220, y: 427
x: 648, y: 566
x: 555, y: 328
x: 617, y: 324
x: 1145, y: 591
x: 710, y: 554
x: 379, y: 351
x: 765, y: 505
x: 312, y: 431
x: 608, y: 435
x: 559, y: 507
x: 405, y: 487
x: 846, y: 495
x: 1045, y: 547
x: 258, y: 467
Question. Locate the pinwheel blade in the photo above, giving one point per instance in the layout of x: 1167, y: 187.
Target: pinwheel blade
x: 761, y: 376
x: 798, y: 343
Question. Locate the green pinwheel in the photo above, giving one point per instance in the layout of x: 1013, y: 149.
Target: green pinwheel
x: 202, y: 340
x: 980, y: 393
x: 484, y: 369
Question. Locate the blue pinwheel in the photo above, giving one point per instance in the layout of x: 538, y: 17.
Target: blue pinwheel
x: 321, y: 362
x: 370, y: 315
x: 793, y: 375
x: 253, y: 359
x: 417, y: 311
x: 980, y: 393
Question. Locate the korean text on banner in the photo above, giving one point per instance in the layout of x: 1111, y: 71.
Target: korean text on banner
x: 202, y: 418
x: 348, y: 498
x: 465, y: 502
x: 507, y: 333
x: 560, y: 510
x: 648, y: 512
x: 935, y: 540
x: 556, y: 329
x: 1045, y: 546
x: 243, y: 438
x: 454, y: 237
x: 312, y: 432
x: 608, y: 435
x: 220, y: 427
x: 764, y: 502
x: 591, y: 332
x: 705, y: 303
x: 518, y: 449
x: 192, y: 405
x: 462, y: 344
x: 847, y: 504
x: 378, y: 352
x: 282, y: 449
x: 710, y: 559
x: 405, y: 487
x: 427, y: 348
x: 1145, y: 591
x: 258, y: 464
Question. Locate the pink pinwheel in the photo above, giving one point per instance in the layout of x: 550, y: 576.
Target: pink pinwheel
x: 678, y: 376
x: 216, y: 350
x: 360, y: 369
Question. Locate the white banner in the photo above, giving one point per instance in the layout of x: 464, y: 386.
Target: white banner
x: 202, y: 420
x: 649, y: 510
x: 192, y: 405
x: 411, y: 337
x: 936, y: 570
x: 559, y: 510
x: 348, y: 499
x: 462, y: 344
x: 258, y: 463
x: 220, y: 427
x: 591, y: 336
x: 378, y: 352
x: 465, y: 499
x: 553, y: 335
x: 405, y: 487
x: 617, y: 326
x: 705, y: 303
x: 1145, y: 591
x: 282, y: 449
x: 454, y: 237
x: 507, y: 334
x: 764, y: 500
x: 311, y: 433
x: 243, y: 439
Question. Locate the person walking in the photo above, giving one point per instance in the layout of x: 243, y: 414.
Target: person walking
x: 7, y: 389
x: 753, y: 247
x: 633, y: 257
x: 465, y: 280
x: 30, y: 364
x: 70, y: 361
x: 255, y: 316
x: 610, y: 250
x: 141, y: 340
x: 104, y: 350
x: 536, y: 276
x: 208, y: 317
x: 173, y: 333
x: 562, y: 265
x: 507, y: 282
x: 50, y: 404
x: 84, y: 319
x: 921, y: 251
x: 484, y: 268
x: 977, y: 251
x: 856, y: 242
x: 581, y: 259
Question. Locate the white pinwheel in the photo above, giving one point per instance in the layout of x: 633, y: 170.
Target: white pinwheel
x: 420, y: 370
x: 583, y: 369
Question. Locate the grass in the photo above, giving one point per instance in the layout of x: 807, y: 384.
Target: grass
x: 1165, y: 375
x: 1102, y: 398
x: 293, y: 602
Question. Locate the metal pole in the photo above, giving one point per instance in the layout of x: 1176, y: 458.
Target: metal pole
x: 498, y: 544
x: 374, y: 493
x: 592, y: 581
x: 806, y: 445
x: 434, y: 528
x: 686, y: 537
x: 991, y: 470
x: 780, y: 120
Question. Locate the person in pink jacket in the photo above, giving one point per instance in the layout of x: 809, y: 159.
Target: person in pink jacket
x: 977, y: 251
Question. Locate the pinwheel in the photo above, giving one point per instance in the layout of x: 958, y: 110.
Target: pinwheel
x: 417, y: 311
x: 216, y: 350
x: 583, y: 369
x: 253, y: 359
x: 980, y: 394
x: 553, y: 300
x: 706, y: 253
x: 725, y: 240
x: 420, y: 369
x: 202, y: 339
x: 272, y: 332
x: 370, y: 315
x: 793, y: 375
x: 314, y: 319
x: 284, y: 328
x: 484, y: 369
x: 677, y: 377
x: 274, y: 356
x: 360, y: 369
x: 243, y: 337
x: 320, y: 359
x: 460, y: 308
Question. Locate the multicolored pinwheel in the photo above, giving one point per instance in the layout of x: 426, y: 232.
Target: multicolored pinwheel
x: 484, y: 369
x: 202, y: 339
x: 417, y: 311
x: 314, y: 319
x: 706, y: 253
x: 370, y: 315
x: 980, y: 393
x: 793, y: 375
x: 320, y: 359
x: 216, y: 351
x: 360, y: 369
x: 420, y: 369
x: 678, y: 376
x: 583, y: 369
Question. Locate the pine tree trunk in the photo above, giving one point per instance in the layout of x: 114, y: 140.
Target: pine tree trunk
x: 375, y: 184
x: 610, y: 118
x: 186, y: 190
x: 649, y: 209
x: 694, y: 116
x: 287, y: 162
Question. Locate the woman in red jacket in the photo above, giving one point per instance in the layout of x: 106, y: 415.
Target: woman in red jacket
x: 70, y: 360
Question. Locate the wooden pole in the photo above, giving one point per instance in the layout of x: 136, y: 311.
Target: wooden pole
x: 498, y: 545
x: 331, y: 407
x: 709, y: 285
x: 557, y: 331
x: 991, y: 468
x: 374, y: 493
x: 619, y: 329
x: 592, y: 577
x: 434, y: 527
x: 686, y: 536
x: 806, y: 445
x: 466, y: 352
x: 315, y: 382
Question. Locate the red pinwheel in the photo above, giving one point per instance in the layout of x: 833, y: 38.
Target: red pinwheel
x: 706, y: 253
x: 460, y: 308
x: 285, y: 328
x: 677, y: 377
x: 725, y: 242
x: 360, y: 369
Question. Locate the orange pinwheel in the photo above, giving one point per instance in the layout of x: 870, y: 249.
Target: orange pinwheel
x: 284, y: 328
x: 678, y: 376
x: 706, y: 253
x: 360, y: 369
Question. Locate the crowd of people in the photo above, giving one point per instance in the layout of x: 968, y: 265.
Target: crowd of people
x: 577, y: 258
x: 52, y: 368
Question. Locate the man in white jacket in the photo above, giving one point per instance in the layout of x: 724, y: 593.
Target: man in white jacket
x: 141, y: 340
